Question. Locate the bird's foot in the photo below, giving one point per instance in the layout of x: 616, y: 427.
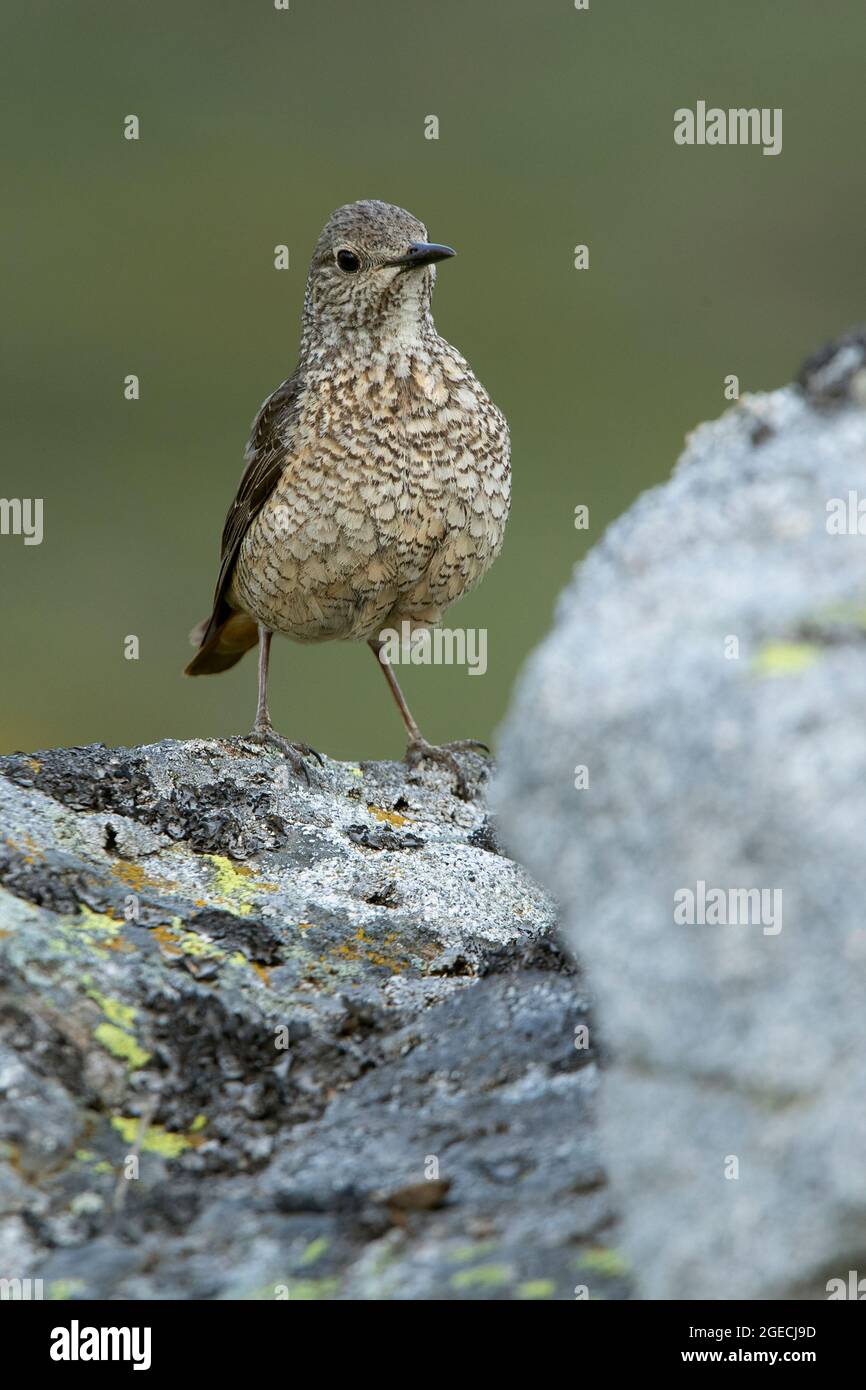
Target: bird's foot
x: 419, y: 751
x: 295, y: 753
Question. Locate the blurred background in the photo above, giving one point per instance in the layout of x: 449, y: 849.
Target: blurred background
x: 156, y: 258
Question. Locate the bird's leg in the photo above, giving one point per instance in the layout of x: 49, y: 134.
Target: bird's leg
x: 263, y: 731
x: 418, y: 748
x: 263, y: 718
x: 409, y: 724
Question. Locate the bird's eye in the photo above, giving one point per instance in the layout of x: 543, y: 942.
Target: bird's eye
x: 348, y: 261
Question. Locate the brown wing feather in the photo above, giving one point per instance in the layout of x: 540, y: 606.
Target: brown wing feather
x: 266, y: 460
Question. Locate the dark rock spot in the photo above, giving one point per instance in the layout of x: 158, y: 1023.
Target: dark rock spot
x: 827, y: 375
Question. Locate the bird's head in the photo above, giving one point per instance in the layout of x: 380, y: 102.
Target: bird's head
x: 372, y: 269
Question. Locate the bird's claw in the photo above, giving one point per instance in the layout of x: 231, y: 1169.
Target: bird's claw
x: 295, y: 753
x: 419, y: 750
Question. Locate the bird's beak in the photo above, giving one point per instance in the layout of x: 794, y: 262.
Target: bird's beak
x: 423, y: 253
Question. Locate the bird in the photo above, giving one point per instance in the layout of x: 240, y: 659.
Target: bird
x: 377, y: 478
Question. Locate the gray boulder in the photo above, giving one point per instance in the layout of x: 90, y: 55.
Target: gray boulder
x: 707, y: 667
x: 264, y: 1040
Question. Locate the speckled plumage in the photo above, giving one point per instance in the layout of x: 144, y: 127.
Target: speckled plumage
x: 377, y: 479
x: 393, y: 494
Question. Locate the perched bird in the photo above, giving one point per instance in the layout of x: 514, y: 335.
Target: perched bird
x: 377, y: 478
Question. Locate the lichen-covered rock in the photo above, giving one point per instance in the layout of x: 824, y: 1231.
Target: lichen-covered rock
x: 260, y: 1039
x: 707, y: 671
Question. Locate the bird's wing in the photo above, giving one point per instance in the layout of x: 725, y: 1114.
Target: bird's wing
x: 267, y: 453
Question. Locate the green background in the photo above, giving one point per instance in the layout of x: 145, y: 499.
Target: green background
x: 156, y: 257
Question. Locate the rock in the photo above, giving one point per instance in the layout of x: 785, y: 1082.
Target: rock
x: 329, y: 1025
x: 708, y: 668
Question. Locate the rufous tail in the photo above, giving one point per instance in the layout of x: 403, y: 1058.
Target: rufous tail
x: 221, y: 644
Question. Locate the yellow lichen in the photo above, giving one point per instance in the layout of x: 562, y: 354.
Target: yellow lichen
x: 59, y: 1290
x: 98, y: 929
x: 536, y: 1288
x: 136, y: 878
x: 194, y: 945
x: 236, y: 885
x: 785, y: 658
x: 315, y: 1250
x: 482, y: 1276
x: 121, y: 1044
x: 391, y: 817
x: 167, y: 938
x: 175, y: 940
x: 115, y: 1012
x: 95, y: 923
x: 366, y: 950
x: 602, y: 1260
x: 156, y: 1139
x: 310, y: 1290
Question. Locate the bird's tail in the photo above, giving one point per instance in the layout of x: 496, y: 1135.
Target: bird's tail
x: 221, y: 642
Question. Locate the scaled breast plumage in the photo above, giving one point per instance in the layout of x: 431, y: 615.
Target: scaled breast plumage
x: 390, y: 491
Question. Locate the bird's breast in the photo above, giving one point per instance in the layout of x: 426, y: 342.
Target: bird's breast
x: 397, y: 483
